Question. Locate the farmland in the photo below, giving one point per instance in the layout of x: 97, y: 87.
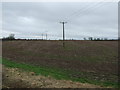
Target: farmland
x: 83, y: 61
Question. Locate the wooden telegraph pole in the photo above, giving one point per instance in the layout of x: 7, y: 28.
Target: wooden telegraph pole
x: 63, y: 33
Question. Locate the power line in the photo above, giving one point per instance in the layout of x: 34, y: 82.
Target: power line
x: 83, y: 10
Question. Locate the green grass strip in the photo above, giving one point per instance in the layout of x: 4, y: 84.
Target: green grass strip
x: 56, y: 73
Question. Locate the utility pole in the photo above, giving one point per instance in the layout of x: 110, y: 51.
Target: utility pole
x: 63, y: 33
x: 42, y: 36
x: 46, y: 36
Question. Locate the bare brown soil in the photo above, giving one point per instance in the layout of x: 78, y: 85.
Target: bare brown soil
x: 15, y: 78
x: 96, y: 58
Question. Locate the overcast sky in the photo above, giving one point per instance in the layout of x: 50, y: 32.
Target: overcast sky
x: 84, y: 19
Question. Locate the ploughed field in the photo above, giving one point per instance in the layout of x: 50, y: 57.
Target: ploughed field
x: 94, y: 60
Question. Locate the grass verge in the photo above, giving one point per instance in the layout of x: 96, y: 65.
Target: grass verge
x: 56, y: 73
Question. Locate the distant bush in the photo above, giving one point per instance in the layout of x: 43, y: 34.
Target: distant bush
x: 10, y: 37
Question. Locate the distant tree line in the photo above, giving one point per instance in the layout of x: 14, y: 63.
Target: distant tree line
x: 10, y: 37
x: 98, y: 39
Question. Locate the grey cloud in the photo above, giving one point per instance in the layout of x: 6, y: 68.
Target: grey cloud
x: 37, y: 18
